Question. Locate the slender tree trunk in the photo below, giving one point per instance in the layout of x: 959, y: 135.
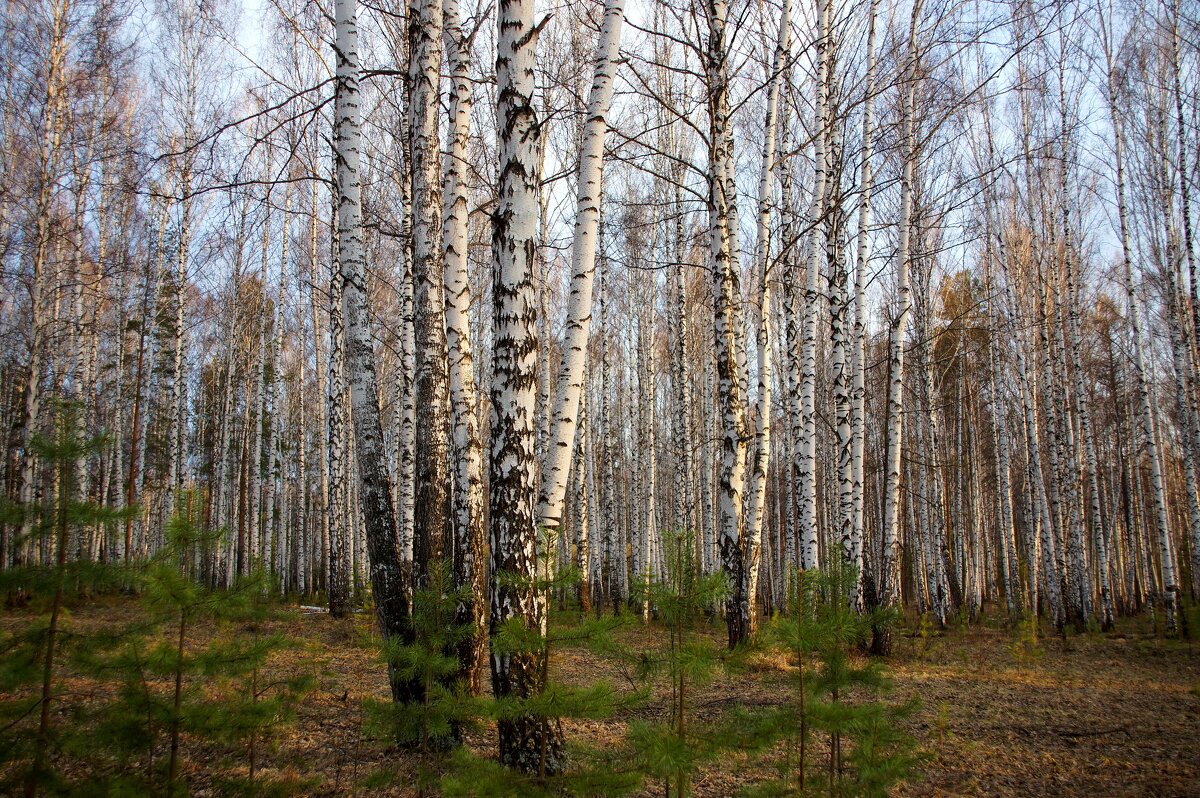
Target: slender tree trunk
x: 858, y: 387
x: 467, y: 504
x: 387, y: 585
x: 258, y: 446
x: 52, y: 123
x: 889, y: 589
x: 1000, y: 441
x: 176, y: 390
x: 529, y: 743
x: 1150, y: 440
x: 323, y: 500
x: 339, y: 585
x: 431, y: 505
x: 1090, y: 476
x: 584, y: 557
x: 137, y: 426
x: 406, y: 406
x: 608, y: 451
x: 727, y: 295
x: 752, y: 545
x: 685, y: 510
x: 1185, y: 197
x: 590, y: 181
x: 807, y: 450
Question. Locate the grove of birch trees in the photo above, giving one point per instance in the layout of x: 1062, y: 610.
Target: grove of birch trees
x: 909, y: 285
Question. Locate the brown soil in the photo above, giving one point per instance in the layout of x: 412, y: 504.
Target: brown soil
x: 1092, y: 715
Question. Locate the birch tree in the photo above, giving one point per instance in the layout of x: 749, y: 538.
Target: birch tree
x: 529, y: 743
x: 590, y: 189
x: 752, y: 545
x: 387, y: 586
x: 1149, y: 430
x: 468, y: 498
x: 431, y: 506
x: 889, y: 588
x: 726, y: 329
x: 807, y: 448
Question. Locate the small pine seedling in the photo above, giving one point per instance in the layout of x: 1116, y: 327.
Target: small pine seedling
x: 577, y: 769
x: 54, y: 546
x: 868, y: 752
x: 671, y: 751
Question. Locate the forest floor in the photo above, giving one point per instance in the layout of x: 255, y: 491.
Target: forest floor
x: 1090, y: 715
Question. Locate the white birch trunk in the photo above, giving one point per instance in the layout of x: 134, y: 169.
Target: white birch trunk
x: 468, y: 499
x: 726, y: 329
x: 685, y: 510
x: 608, y: 454
x: 272, y: 501
x: 1090, y: 476
x: 1170, y: 581
x: 889, y: 589
x: 176, y: 389
x: 1000, y: 438
x: 590, y: 181
x: 406, y: 406
x: 528, y: 743
x: 387, y: 583
x: 858, y: 388
x: 584, y: 486
x: 647, y: 392
x: 339, y: 553
x: 258, y: 445
x: 51, y: 126
x: 807, y: 490
x: 752, y: 546
x: 323, y: 501
x: 431, y: 498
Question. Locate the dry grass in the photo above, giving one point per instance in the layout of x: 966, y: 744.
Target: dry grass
x: 1113, y: 715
